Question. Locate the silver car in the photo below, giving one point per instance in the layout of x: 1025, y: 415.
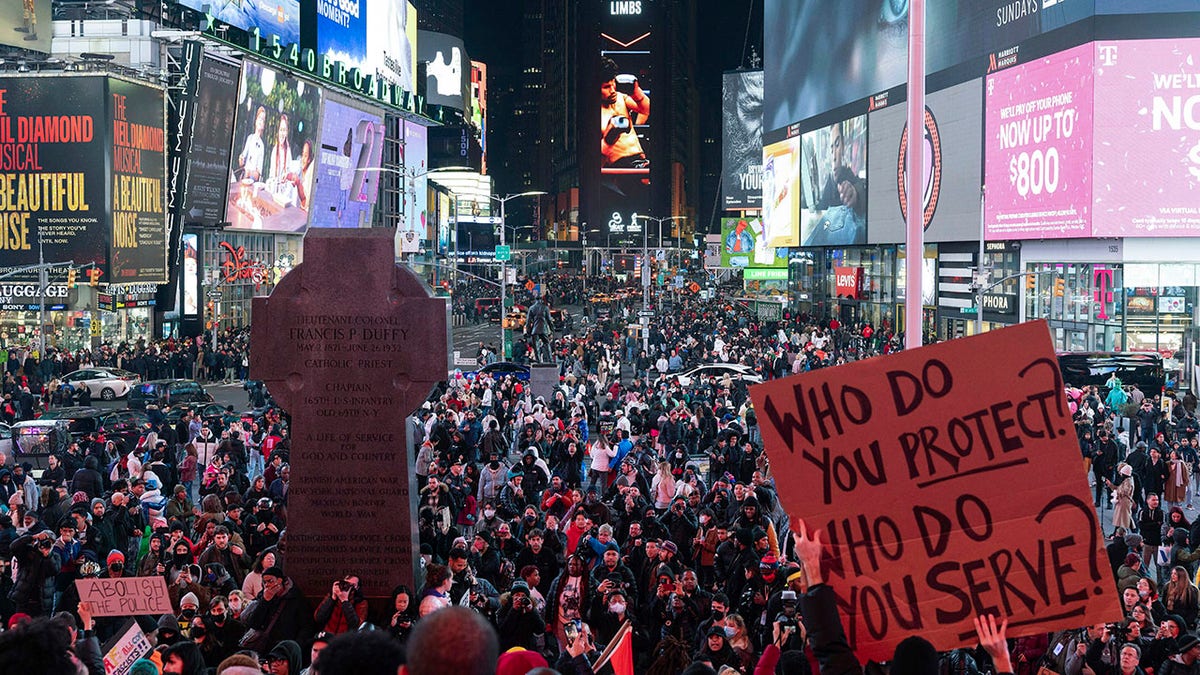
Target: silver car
x: 104, y: 383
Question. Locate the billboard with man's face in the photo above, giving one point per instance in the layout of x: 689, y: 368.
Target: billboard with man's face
x: 617, y: 94
x: 833, y: 176
x: 741, y: 114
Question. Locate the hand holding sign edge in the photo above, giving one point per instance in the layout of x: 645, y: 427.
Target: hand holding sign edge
x: 808, y: 549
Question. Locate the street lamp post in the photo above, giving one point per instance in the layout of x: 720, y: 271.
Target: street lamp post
x: 646, y: 270
x: 504, y: 265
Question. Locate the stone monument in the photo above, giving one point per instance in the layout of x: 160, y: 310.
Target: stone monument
x: 350, y: 344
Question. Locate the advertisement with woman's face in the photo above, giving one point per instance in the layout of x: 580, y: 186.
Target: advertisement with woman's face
x: 274, y: 161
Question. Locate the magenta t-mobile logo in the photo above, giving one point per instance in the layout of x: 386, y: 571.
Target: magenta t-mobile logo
x: 1103, y: 278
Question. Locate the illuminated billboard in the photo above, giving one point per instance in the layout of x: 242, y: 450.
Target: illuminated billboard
x: 781, y: 189
x: 448, y: 69
x: 274, y: 152
x: 744, y: 243
x: 138, y: 151
x: 208, y: 170
x: 621, y: 170
x: 55, y: 174
x: 350, y: 152
x: 1038, y: 129
x: 479, y: 108
x: 741, y: 132
x: 833, y: 176
x: 377, y: 37
x: 819, y: 56
x: 1147, y: 171
x: 26, y: 24
x: 951, y: 145
x: 191, y: 274
x: 270, y: 17
x: 416, y: 164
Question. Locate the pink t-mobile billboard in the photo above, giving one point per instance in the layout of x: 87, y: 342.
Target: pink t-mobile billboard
x: 1039, y: 148
x: 1147, y: 170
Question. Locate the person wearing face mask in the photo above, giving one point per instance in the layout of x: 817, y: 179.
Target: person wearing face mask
x: 211, y: 648
x: 189, y: 606
x: 221, y: 624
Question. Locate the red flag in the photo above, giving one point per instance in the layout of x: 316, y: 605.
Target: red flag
x: 618, y: 653
x: 622, y: 656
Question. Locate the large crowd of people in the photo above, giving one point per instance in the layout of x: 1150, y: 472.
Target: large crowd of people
x: 622, y: 502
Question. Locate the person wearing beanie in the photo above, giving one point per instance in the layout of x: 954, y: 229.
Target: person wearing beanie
x: 520, y: 624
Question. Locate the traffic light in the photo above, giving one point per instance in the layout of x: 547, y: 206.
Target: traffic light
x: 94, y: 277
x: 71, y: 275
x: 1031, y: 282
x: 1060, y: 287
x: 210, y: 307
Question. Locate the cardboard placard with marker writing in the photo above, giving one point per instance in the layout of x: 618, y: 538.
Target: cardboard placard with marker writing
x: 947, y: 483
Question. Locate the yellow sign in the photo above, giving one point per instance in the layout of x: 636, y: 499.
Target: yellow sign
x: 95, y: 326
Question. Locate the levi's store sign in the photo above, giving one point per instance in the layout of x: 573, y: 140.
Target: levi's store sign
x: 849, y: 281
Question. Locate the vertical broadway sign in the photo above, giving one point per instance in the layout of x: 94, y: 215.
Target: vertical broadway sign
x: 138, y: 242
x: 946, y: 485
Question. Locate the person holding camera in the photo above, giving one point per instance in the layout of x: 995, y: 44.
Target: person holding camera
x: 1129, y: 656
x: 33, y: 591
x: 343, y: 609
x: 787, y: 630
x: 520, y: 624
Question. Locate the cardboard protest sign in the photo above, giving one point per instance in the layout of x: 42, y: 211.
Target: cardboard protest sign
x: 122, y: 651
x: 125, y: 596
x: 947, y: 483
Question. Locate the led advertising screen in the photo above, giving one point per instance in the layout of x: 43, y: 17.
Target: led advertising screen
x: 26, y: 24
x: 952, y: 145
x: 781, y: 187
x: 820, y: 56
x: 376, y: 37
x: 216, y: 102
x: 54, y: 172
x: 744, y: 244
x: 191, y: 274
x: 138, y: 241
x: 270, y: 17
x: 624, y: 94
x: 741, y: 131
x: 1038, y: 127
x: 416, y: 163
x: 448, y: 73
x: 479, y: 108
x: 1147, y: 165
x: 274, y: 151
x: 833, y: 192
x: 347, y: 181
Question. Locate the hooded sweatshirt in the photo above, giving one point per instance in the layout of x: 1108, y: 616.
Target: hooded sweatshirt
x: 291, y: 650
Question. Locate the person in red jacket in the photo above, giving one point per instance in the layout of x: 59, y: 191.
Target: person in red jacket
x: 343, y: 609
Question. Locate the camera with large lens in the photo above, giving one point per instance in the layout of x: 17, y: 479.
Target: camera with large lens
x: 1119, y: 630
x: 523, y: 602
x: 46, y: 544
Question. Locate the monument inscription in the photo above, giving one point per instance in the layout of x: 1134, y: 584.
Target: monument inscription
x: 349, y: 343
